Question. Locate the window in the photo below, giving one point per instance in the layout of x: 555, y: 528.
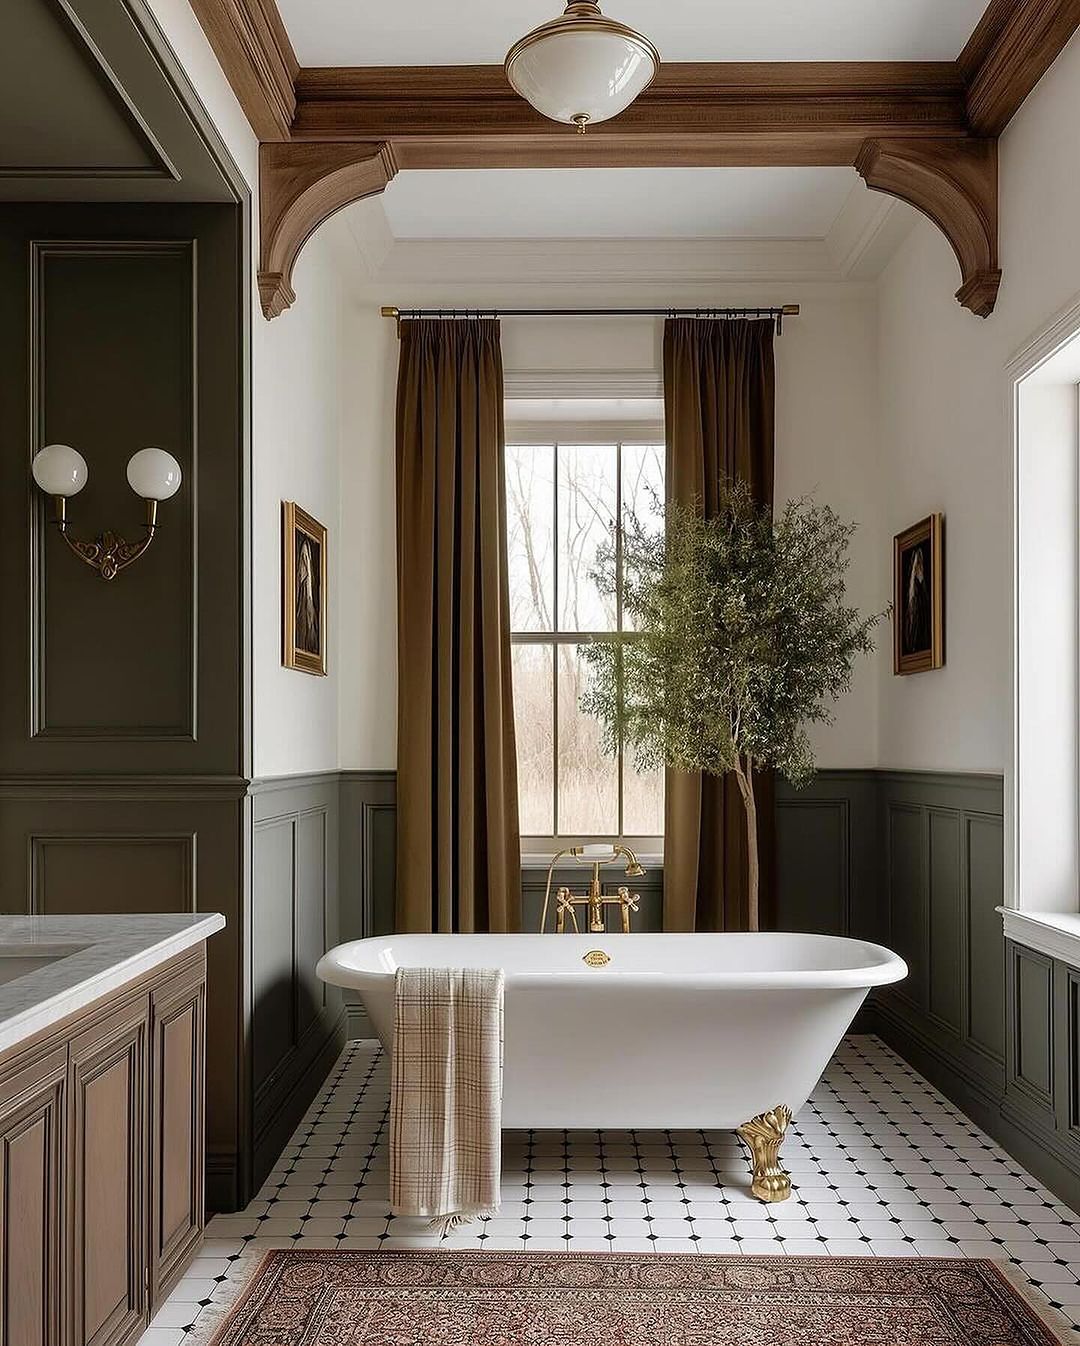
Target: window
x: 563, y: 501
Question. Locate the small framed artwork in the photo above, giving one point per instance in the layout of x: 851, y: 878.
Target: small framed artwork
x: 919, y: 596
x: 303, y: 590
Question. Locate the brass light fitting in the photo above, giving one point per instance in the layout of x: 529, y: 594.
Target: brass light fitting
x: 61, y: 471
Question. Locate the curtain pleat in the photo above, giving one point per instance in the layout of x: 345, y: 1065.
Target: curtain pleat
x: 719, y: 398
x: 458, y: 851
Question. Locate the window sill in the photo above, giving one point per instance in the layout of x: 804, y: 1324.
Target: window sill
x: 1054, y: 933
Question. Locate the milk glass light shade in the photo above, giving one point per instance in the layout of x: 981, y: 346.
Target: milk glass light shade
x: 60, y: 470
x: 154, y: 474
x: 581, y: 67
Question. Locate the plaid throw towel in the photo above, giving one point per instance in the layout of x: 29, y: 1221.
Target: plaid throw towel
x: 446, y: 1093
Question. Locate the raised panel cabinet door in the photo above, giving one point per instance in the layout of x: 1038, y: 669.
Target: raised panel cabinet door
x: 31, y: 1202
x: 109, y: 1178
x: 177, y: 1121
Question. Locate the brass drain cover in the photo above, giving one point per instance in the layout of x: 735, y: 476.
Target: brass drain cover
x: 596, y: 958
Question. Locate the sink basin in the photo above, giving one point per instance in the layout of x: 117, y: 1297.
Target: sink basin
x: 16, y: 960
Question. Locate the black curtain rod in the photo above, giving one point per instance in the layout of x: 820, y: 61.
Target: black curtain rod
x: 777, y: 313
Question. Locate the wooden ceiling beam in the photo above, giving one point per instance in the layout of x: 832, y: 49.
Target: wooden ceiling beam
x: 798, y: 102
x: 254, y: 51
x: 1013, y: 46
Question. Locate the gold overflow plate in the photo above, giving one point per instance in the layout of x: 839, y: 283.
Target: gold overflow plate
x: 596, y: 958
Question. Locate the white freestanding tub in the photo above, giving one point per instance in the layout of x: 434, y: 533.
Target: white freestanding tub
x: 675, y: 1031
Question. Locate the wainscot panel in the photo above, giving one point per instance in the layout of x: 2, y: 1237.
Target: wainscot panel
x: 298, y: 1024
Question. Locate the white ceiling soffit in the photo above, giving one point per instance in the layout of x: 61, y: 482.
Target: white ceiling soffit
x: 851, y: 232
x: 617, y: 202
x: 462, y: 32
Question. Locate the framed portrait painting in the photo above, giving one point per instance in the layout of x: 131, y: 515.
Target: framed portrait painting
x: 919, y: 596
x: 303, y: 585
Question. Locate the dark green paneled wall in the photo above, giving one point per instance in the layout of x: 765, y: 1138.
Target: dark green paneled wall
x: 123, y: 722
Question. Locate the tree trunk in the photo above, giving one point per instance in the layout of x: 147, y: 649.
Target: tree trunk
x: 745, y: 777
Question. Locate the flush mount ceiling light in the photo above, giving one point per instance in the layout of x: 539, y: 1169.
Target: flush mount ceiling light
x: 581, y: 67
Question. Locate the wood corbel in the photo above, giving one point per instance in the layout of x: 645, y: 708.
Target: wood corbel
x: 953, y: 181
x: 301, y: 184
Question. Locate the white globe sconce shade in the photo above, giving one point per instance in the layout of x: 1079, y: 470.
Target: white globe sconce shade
x: 154, y: 474
x: 60, y: 470
x: 581, y: 67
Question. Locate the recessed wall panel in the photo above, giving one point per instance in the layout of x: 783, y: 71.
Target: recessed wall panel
x: 74, y: 875
x: 112, y: 350
x: 946, y: 947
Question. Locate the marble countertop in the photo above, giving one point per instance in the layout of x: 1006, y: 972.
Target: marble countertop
x: 52, y: 966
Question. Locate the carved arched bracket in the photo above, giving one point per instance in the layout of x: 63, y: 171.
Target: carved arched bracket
x: 953, y: 181
x: 301, y: 184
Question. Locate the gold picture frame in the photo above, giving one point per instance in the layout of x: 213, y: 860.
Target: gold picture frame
x: 919, y: 596
x: 303, y: 590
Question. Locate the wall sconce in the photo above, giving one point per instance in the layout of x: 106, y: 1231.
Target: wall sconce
x: 61, y: 471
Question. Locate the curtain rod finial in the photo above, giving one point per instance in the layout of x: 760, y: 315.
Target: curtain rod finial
x: 389, y: 311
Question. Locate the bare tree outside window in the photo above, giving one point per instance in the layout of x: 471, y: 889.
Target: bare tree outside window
x: 564, y: 504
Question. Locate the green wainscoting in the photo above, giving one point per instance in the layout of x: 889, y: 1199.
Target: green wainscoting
x: 915, y: 860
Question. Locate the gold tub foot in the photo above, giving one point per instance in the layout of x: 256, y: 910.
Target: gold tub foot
x: 763, y: 1137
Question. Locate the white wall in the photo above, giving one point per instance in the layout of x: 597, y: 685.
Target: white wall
x: 368, y: 615
x: 303, y: 365
x: 827, y: 444
x: 946, y: 431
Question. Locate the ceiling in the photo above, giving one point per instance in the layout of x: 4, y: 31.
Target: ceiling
x: 464, y: 32
x: 662, y: 203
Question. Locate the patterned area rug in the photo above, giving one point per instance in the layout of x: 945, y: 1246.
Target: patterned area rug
x: 624, y: 1299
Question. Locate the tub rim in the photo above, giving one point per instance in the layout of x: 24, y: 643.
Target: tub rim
x: 886, y: 968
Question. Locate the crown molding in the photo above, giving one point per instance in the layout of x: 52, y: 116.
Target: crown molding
x: 527, y: 262
x: 1013, y: 46
x: 253, y: 48
x: 866, y: 233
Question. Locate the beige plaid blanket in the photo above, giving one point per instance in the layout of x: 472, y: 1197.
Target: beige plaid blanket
x: 446, y: 1093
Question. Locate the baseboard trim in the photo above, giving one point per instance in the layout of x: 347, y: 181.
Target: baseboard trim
x: 1022, y: 1136
x: 357, y: 1023
x: 222, y: 1180
x: 285, y: 1105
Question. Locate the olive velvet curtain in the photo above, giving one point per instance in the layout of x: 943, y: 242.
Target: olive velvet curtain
x: 719, y: 407
x: 458, y: 852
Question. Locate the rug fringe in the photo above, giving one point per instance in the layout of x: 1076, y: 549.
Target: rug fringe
x: 242, y: 1274
x: 446, y: 1224
x: 1052, y: 1319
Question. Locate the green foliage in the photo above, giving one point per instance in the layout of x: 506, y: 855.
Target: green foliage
x: 741, y: 637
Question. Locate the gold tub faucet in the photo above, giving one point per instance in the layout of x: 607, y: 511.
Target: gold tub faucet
x: 595, y: 900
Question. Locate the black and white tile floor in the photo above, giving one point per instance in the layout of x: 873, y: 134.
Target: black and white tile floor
x: 881, y: 1163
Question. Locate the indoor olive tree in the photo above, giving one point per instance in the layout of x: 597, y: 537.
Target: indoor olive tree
x: 739, y: 637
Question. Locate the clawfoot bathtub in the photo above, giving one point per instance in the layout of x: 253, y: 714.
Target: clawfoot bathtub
x: 673, y: 1031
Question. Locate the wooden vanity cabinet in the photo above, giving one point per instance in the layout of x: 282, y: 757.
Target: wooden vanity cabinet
x: 32, y: 1189
x: 101, y: 1163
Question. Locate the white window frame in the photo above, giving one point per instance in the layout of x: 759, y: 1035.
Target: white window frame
x: 1039, y: 913
x: 538, y: 849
